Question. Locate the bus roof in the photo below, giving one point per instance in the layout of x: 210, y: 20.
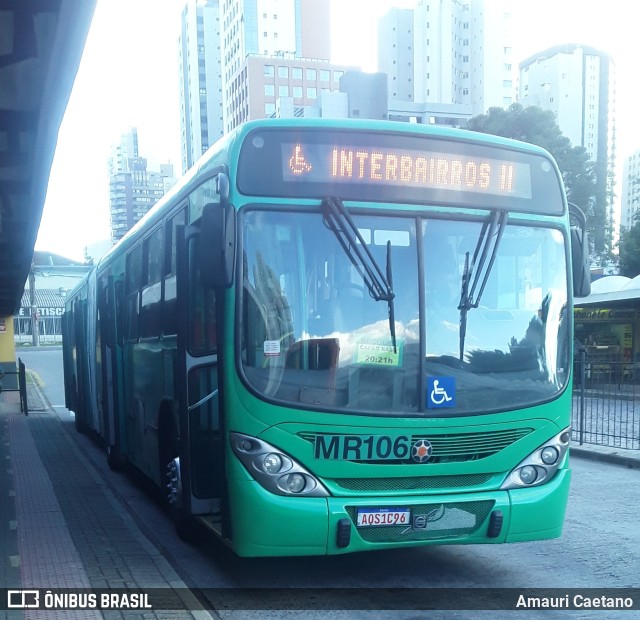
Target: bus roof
x: 228, y: 148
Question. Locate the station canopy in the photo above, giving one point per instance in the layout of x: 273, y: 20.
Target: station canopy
x: 41, y: 43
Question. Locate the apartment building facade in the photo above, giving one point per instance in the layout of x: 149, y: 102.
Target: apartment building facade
x: 200, y: 79
x: 449, y: 52
x: 630, y: 199
x: 577, y: 83
x: 134, y: 185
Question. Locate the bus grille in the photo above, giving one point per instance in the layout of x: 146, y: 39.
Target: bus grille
x: 419, y: 484
x: 442, y: 521
x: 457, y: 447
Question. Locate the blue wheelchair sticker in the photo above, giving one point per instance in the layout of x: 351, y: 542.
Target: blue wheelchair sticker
x: 441, y: 392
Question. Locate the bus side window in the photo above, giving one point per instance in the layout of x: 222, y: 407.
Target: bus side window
x: 118, y: 288
x: 170, y: 307
x: 132, y: 292
x: 151, y: 293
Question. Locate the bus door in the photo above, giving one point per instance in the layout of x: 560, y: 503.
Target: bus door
x: 200, y: 445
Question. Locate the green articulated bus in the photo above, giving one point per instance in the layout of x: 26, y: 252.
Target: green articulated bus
x: 338, y: 336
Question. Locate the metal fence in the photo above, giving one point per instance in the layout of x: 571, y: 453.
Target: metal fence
x: 16, y: 381
x: 606, y: 402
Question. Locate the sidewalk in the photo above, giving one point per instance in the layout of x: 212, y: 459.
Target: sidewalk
x: 66, y: 527
x: 615, y: 456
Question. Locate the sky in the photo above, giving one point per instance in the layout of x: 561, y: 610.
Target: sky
x: 132, y: 48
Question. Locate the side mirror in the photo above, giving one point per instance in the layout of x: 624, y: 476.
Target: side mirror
x: 580, y: 263
x: 218, y: 239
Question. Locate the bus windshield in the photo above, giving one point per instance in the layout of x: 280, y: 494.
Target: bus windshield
x: 314, y: 337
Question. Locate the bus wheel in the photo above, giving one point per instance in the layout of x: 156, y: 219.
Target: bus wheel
x: 114, y: 460
x: 80, y: 424
x: 183, y: 523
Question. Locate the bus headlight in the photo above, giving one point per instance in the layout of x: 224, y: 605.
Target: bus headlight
x: 272, y: 463
x: 275, y: 471
x: 294, y: 483
x: 549, y: 455
x: 528, y: 474
x: 540, y: 465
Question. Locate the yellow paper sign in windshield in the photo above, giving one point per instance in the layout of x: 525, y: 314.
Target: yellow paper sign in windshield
x: 379, y: 354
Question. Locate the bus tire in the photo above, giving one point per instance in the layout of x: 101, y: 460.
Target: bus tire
x: 171, y: 484
x: 183, y: 523
x: 114, y: 460
x: 80, y: 424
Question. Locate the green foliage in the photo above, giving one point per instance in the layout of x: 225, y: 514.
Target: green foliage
x: 537, y: 126
x: 629, y: 251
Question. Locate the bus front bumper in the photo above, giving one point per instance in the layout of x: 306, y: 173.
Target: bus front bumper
x: 288, y: 526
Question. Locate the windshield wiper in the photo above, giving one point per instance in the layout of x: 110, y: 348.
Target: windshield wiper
x: 379, y: 285
x: 478, y: 274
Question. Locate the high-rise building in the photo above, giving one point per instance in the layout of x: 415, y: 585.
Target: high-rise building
x: 396, y: 53
x: 491, y: 72
x: 449, y: 52
x: 268, y: 82
x: 123, y: 152
x: 201, y: 116
x: 224, y: 48
x: 577, y: 83
x: 133, y: 187
x: 630, y: 211
x: 453, y: 53
x: 268, y: 28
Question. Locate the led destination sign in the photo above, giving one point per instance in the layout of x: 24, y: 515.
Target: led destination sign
x: 403, y: 166
x: 325, y: 163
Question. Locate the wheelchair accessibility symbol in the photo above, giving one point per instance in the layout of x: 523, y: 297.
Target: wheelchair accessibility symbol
x: 441, y: 392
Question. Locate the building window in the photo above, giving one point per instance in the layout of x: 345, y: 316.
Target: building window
x: 269, y: 71
x: 283, y: 91
x: 296, y: 73
x: 311, y: 92
x: 311, y: 74
x: 297, y: 91
x: 269, y: 109
x: 325, y: 75
x: 269, y: 90
x: 283, y: 72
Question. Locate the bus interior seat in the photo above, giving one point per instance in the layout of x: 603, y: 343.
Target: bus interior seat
x: 318, y: 354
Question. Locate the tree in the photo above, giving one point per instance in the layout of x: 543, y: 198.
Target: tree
x: 537, y: 126
x: 629, y: 251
